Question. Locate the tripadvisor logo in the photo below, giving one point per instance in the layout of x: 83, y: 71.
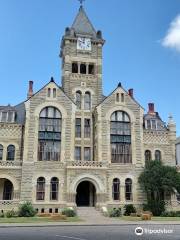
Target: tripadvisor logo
x: 139, y: 231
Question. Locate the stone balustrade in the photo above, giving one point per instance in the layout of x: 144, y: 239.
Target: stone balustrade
x: 172, y: 203
x: 85, y: 164
x: 8, y: 204
x: 10, y: 164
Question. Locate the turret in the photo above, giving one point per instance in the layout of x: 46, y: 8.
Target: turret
x: 172, y: 128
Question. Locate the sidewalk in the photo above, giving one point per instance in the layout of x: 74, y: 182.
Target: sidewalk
x: 107, y: 222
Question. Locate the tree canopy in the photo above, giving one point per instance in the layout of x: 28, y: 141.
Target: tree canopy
x: 158, y: 179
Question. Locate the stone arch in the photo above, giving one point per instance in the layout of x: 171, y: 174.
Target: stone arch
x: 64, y: 115
x: 11, y: 179
x: 87, y: 177
x: 121, y: 108
x: 51, y: 104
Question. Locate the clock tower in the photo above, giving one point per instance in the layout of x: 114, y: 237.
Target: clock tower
x: 81, y: 53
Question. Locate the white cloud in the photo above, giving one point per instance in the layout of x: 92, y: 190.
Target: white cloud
x: 172, y: 38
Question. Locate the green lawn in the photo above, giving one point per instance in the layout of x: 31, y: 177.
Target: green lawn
x: 129, y: 218
x: 36, y: 220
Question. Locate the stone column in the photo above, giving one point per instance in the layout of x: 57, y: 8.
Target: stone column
x: 87, y: 68
x: 47, y: 192
x: 101, y: 199
x: 122, y: 193
x: 79, y: 64
x: 71, y: 199
x: 16, y: 195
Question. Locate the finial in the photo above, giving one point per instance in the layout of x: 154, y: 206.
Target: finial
x: 52, y: 79
x: 119, y: 84
x: 81, y: 2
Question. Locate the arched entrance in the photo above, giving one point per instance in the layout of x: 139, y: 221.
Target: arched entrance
x: 86, y: 194
x: 6, y: 189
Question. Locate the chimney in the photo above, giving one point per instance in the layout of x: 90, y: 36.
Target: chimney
x: 151, y: 108
x: 131, y: 92
x: 30, y: 91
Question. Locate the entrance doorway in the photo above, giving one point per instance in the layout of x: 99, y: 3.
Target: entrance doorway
x: 86, y: 194
x: 6, y: 189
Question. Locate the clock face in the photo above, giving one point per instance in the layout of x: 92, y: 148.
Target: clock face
x: 84, y: 44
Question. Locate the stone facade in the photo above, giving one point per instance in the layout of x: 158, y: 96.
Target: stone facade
x: 148, y: 133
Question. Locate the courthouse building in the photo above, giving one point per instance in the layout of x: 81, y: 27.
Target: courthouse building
x: 70, y: 145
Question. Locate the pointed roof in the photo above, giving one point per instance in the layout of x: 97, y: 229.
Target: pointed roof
x: 82, y: 25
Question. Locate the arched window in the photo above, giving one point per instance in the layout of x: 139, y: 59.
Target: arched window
x: 120, y: 138
x: 78, y: 99
x: 128, y: 189
x: 148, y: 155
x: 49, y: 92
x: 40, y: 189
x: 122, y: 97
x: 54, y: 92
x: 50, y: 121
x: 10, y: 152
x: 8, y: 190
x: 117, y: 97
x: 54, y: 188
x: 158, y: 155
x: 74, y: 68
x: 116, y: 189
x: 1, y: 152
x: 87, y: 101
x: 83, y: 68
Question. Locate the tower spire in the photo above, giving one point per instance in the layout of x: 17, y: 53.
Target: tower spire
x: 81, y: 2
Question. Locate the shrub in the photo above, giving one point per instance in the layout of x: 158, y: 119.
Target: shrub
x: 11, y: 213
x: 27, y: 210
x: 128, y: 209
x: 156, y: 207
x: 171, y: 214
x: 69, y: 212
x: 115, y: 212
x: 2, y: 215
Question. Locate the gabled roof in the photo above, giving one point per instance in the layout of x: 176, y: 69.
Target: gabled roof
x: 51, y: 81
x: 82, y: 24
x: 119, y: 86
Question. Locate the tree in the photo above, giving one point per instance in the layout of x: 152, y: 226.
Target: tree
x: 156, y: 180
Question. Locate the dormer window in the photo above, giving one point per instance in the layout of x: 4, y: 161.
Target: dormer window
x: 151, y: 124
x: 4, y: 116
x: 7, y: 116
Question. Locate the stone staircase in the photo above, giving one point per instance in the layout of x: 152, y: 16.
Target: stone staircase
x: 90, y: 215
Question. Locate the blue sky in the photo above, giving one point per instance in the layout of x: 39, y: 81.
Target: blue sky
x: 142, y: 49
